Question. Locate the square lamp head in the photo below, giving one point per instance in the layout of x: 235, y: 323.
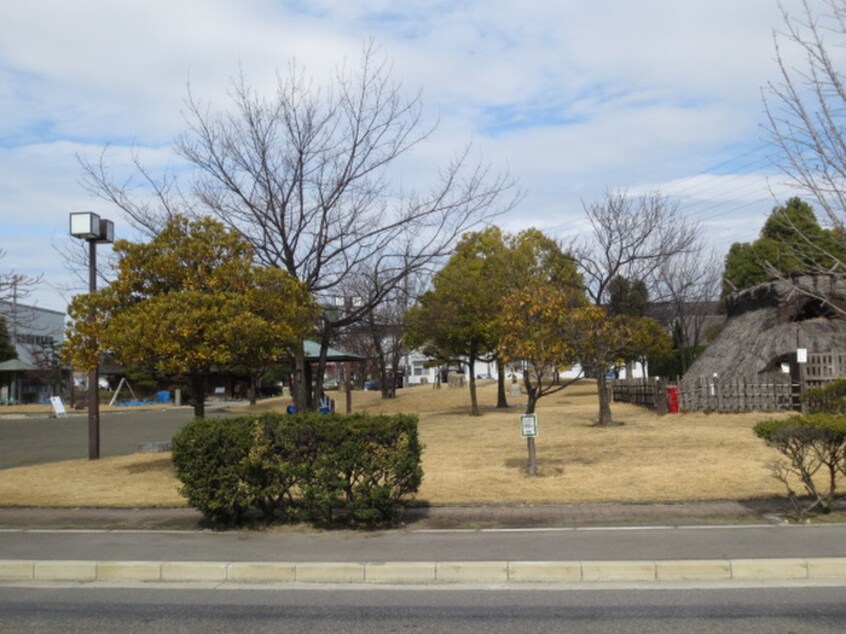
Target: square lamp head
x: 85, y: 225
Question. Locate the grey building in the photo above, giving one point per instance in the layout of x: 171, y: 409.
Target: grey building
x: 37, y: 334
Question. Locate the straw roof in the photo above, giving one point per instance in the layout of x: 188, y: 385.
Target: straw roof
x: 768, y: 322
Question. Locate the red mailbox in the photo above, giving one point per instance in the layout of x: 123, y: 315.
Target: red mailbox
x: 673, y: 399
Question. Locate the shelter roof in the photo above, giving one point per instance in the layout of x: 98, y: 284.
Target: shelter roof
x: 16, y: 365
x: 312, y: 353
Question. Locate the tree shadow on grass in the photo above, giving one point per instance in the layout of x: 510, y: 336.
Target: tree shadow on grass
x: 548, y: 467
x: 158, y: 464
x: 611, y: 425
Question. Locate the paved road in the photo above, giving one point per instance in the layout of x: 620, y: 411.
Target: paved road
x: 136, y: 611
x: 26, y: 440
x: 730, y: 542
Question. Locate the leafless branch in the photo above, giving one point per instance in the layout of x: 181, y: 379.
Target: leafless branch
x: 305, y: 175
x: 146, y: 212
x: 805, y: 109
x: 632, y: 237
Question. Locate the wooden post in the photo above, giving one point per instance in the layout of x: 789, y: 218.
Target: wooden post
x: 533, y: 457
x: 661, y: 397
x: 802, y: 387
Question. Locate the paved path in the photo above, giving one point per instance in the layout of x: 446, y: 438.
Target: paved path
x: 600, y: 544
x: 436, y: 517
x: 686, y: 542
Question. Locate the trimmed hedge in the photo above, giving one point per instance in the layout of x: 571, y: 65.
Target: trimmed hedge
x: 814, y: 447
x: 323, y: 468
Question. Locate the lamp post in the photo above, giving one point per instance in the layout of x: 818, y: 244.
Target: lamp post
x: 88, y: 226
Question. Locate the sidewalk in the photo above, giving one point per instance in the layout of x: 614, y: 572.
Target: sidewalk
x: 584, y: 545
x: 453, y: 517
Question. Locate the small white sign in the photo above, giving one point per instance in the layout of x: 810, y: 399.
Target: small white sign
x: 58, y: 406
x: 529, y: 425
x: 802, y: 355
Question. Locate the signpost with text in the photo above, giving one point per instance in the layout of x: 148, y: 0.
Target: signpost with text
x: 529, y: 431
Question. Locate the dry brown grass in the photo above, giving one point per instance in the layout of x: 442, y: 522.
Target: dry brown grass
x: 482, y: 459
x: 139, y: 480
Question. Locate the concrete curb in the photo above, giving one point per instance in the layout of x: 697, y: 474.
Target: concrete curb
x: 424, y: 572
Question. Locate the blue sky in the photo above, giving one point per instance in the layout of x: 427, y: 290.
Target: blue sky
x: 572, y: 97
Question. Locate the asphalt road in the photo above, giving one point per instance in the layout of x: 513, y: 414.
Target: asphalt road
x: 175, y: 610
x: 729, y: 542
x: 27, y: 440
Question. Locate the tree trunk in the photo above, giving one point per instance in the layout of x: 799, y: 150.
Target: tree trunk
x: 531, y: 401
x: 604, y: 399
x: 253, y: 395
x: 381, y: 362
x: 474, y: 402
x: 314, y: 395
x: 298, y: 385
x: 198, y: 394
x: 395, y: 360
x: 501, y: 401
x: 384, y: 383
x: 531, y: 393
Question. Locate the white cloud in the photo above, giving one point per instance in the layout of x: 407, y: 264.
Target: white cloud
x: 574, y: 97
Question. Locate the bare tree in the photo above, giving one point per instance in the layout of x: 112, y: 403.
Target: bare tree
x: 148, y: 201
x: 806, y: 108
x: 806, y: 118
x: 631, y: 237
x: 304, y: 175
x: 16, y: 288
x: 378, y: 335
x: 689, y: 287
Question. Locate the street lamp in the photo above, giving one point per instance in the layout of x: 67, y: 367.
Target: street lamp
x: 94, y: 230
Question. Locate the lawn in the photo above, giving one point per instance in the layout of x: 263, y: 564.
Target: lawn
x: 689, y: 456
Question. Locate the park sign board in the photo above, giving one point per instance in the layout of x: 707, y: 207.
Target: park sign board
x: 529, y: 425
x: 58, y: 406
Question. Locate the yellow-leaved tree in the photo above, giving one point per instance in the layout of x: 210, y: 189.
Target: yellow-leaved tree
x: 542, y: 325
x: 190, y: 300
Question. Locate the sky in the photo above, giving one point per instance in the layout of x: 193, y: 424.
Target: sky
x: 573, y: 98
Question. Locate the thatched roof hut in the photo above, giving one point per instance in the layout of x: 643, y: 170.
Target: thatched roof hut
x: 767, y: 323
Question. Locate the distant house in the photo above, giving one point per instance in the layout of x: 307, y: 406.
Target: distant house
x: 420, y: 369
x: 37, y: 334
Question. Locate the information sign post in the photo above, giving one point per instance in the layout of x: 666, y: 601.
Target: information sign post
x: 529, y: 431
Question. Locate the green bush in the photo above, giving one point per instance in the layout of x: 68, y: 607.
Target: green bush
x: 326, y: 468
x: 208, y: 456
x: 279, y: 463
x: 374, y: 462
x: 810, y: 444
x: 829, y: 399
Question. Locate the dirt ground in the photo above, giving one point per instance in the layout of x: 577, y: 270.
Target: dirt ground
x: 480, y: 460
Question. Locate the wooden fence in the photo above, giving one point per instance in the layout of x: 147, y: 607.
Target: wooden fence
x: 651, y: 393
x: 822, y: 368
x: 768, y: 393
